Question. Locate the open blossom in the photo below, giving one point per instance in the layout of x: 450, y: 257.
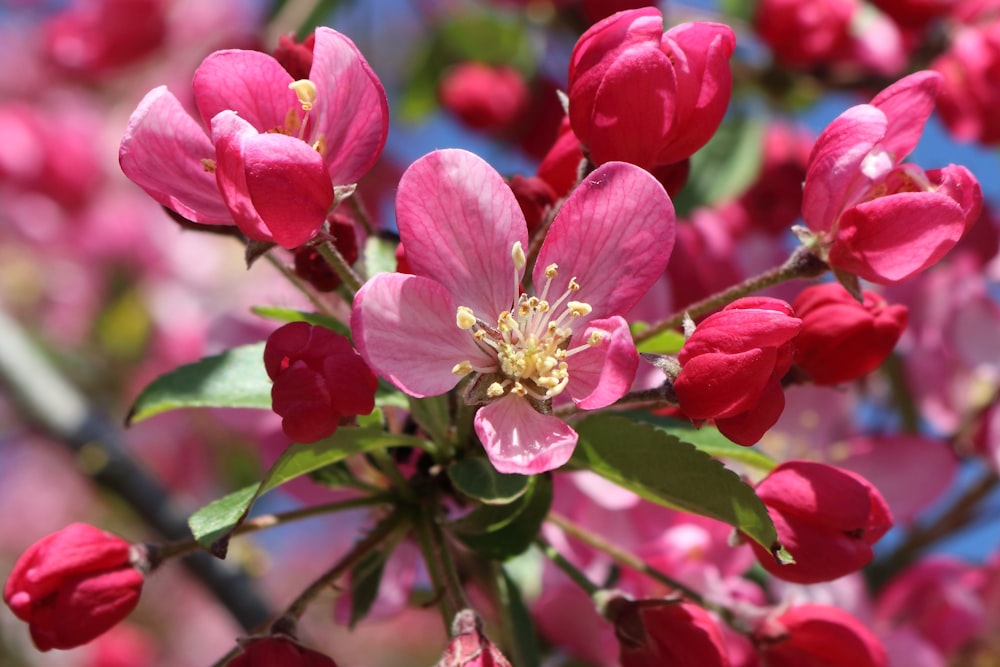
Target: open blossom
x: 275, y: 147
x: 645, y: 96
x: 463, y: 311
x: 872, y: 215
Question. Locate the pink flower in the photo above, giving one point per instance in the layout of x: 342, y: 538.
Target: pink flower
x: 652, y: 633
x: 645, y: 96
x: 276, y: 147
x: 73, y: 585
x: 816, y: 635
x: 469, y: 645
x: 805, y: 34
x: 484, y: 97
x: 278, y: 649
x: 969, y: 96
x: 731, y: 367
x: 868, y: 213
x: 462, y: 311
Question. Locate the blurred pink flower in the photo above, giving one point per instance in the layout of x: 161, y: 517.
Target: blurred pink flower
x: 484, y: 97
x: 969, y: 94
x: 463, y: 311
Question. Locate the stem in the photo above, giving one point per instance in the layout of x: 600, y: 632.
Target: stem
x: 184, y: 547
x: 801, y: 264
x: 571, y: 571
x: 299, y: 284
x: 623, y: 557
x: 440, y: 564
x: 348, y: 277
x: 388, y: 467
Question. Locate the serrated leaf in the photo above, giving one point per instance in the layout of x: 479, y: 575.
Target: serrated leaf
x: 292, y: 315
x: 500, y: 532
x: 477, y: 478
x: 234, y: 379
x: 365, y: 579
x: 661, y: 468
x: 213, y: 524
x: 707, y: 439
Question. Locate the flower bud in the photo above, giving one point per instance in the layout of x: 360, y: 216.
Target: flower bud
x: 318, y: 379
x: 816, y: 635
x: 841, y: 339
x: 731, y: 367
x: 278, y: 649
x: 828, y: 518
x: 653, y: 633
x: 469, y: 646
x: 73, y: 585
x: 484, y: 97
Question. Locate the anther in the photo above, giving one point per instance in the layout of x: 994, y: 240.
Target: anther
x: 462, y: 368
x: 305, y: 90
x: 517, y: 254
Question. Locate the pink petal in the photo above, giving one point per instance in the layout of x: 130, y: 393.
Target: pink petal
x: 718, y: 385
x: 249, y: 82
x: 520, y: 440
x: 276, y: 186
x: 162, y: 152
x: 907, y: 104
x: 601, y: 375
x: 747, y: 428
x: 889, y: 239
x: 458, y: 221
x: 834, y: 179
x: 613, y: 234
x: 350, y: 112
x: 404, y: 327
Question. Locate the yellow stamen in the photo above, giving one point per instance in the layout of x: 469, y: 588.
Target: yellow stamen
x: 305, y: 90
x: 465, y: 318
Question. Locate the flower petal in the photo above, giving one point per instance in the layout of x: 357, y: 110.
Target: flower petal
x: 747, y: 428
x: 600, y: 375
x: 518, y: 439
x: 350, y: 112
x: 907, y: 104
x: 404, y: 327
x: 614, y: 234
x: 162, y: 152
x: 458, y: 221
x: 250, y: 83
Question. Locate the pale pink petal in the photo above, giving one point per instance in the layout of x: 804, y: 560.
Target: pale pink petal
x: 834, y: 177
x: 907, y: 104
x: 162, y: 152
x: 404, y: 327
x: 276, y: 186
x: 350, y: 112
x: 888, y: 239
x: 600, y: 375
x: 520, y: 440
x: 613, y: 234
x: 458, y: 221
x: 250, y: 83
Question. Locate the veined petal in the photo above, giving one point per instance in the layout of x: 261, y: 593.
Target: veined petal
x: 614, y: 234
x: 249, y: 82
x: 276, y: 186
x: 404, y: 327
x: 600, y: 375
x: 458, y: 221
x: 162, y: 152
x: 350, y: 113
x: 907, y: 104
x: 834, y: 179
x: 520, y: 440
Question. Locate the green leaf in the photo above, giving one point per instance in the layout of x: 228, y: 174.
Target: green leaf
x: 365, y: 579
x: 213, y: 524
x: 292, y: 315
x: 661, y: 468
x: 525, y: 650
x: 380, y: 255
x: 234, y: 379
x: 477, y: 478
x: 708, y: 439
x: 500, y: 532
x: 665, y: 342
x: 433, y: 416
x: 740, y: 10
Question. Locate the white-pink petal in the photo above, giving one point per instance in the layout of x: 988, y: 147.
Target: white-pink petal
x: 614, y: 234
x: 162, y: 152
x: 251, y: 83
x: 600, y: 375
x: 520, y: 440
x: 404, y: 327
x: 458, y: 221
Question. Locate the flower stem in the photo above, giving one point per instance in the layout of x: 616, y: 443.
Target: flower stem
x: 570, y: 570
x: 299, y: 284
x: 622, y: 557
x: 802, y: 263
x: 440, y: 564
x: 348, y: 277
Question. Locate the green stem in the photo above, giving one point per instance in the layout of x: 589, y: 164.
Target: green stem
x: 801, y: 264
x: 570, y: 570
x: 348, y: 277
x: 440, y: 564
x: 388, y: 467
x: 299, y: 284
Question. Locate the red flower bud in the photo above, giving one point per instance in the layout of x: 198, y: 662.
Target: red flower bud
x: 318, y: 378
x: 73, y: 585
x: 815, y: 635
x: 732, y: 364
x: 296, y: 57
x: 469, y: 646
x: 534, y: 196
x: 828, y: 518
x: 484, y: 97
x: 274, y: 650
x: 654, y: 633
x: 841, y: 339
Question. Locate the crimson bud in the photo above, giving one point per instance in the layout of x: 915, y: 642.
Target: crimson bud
x: 817, y: 635
x: 653, y: 633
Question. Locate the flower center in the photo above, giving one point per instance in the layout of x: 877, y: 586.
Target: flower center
x: 531, y: 340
